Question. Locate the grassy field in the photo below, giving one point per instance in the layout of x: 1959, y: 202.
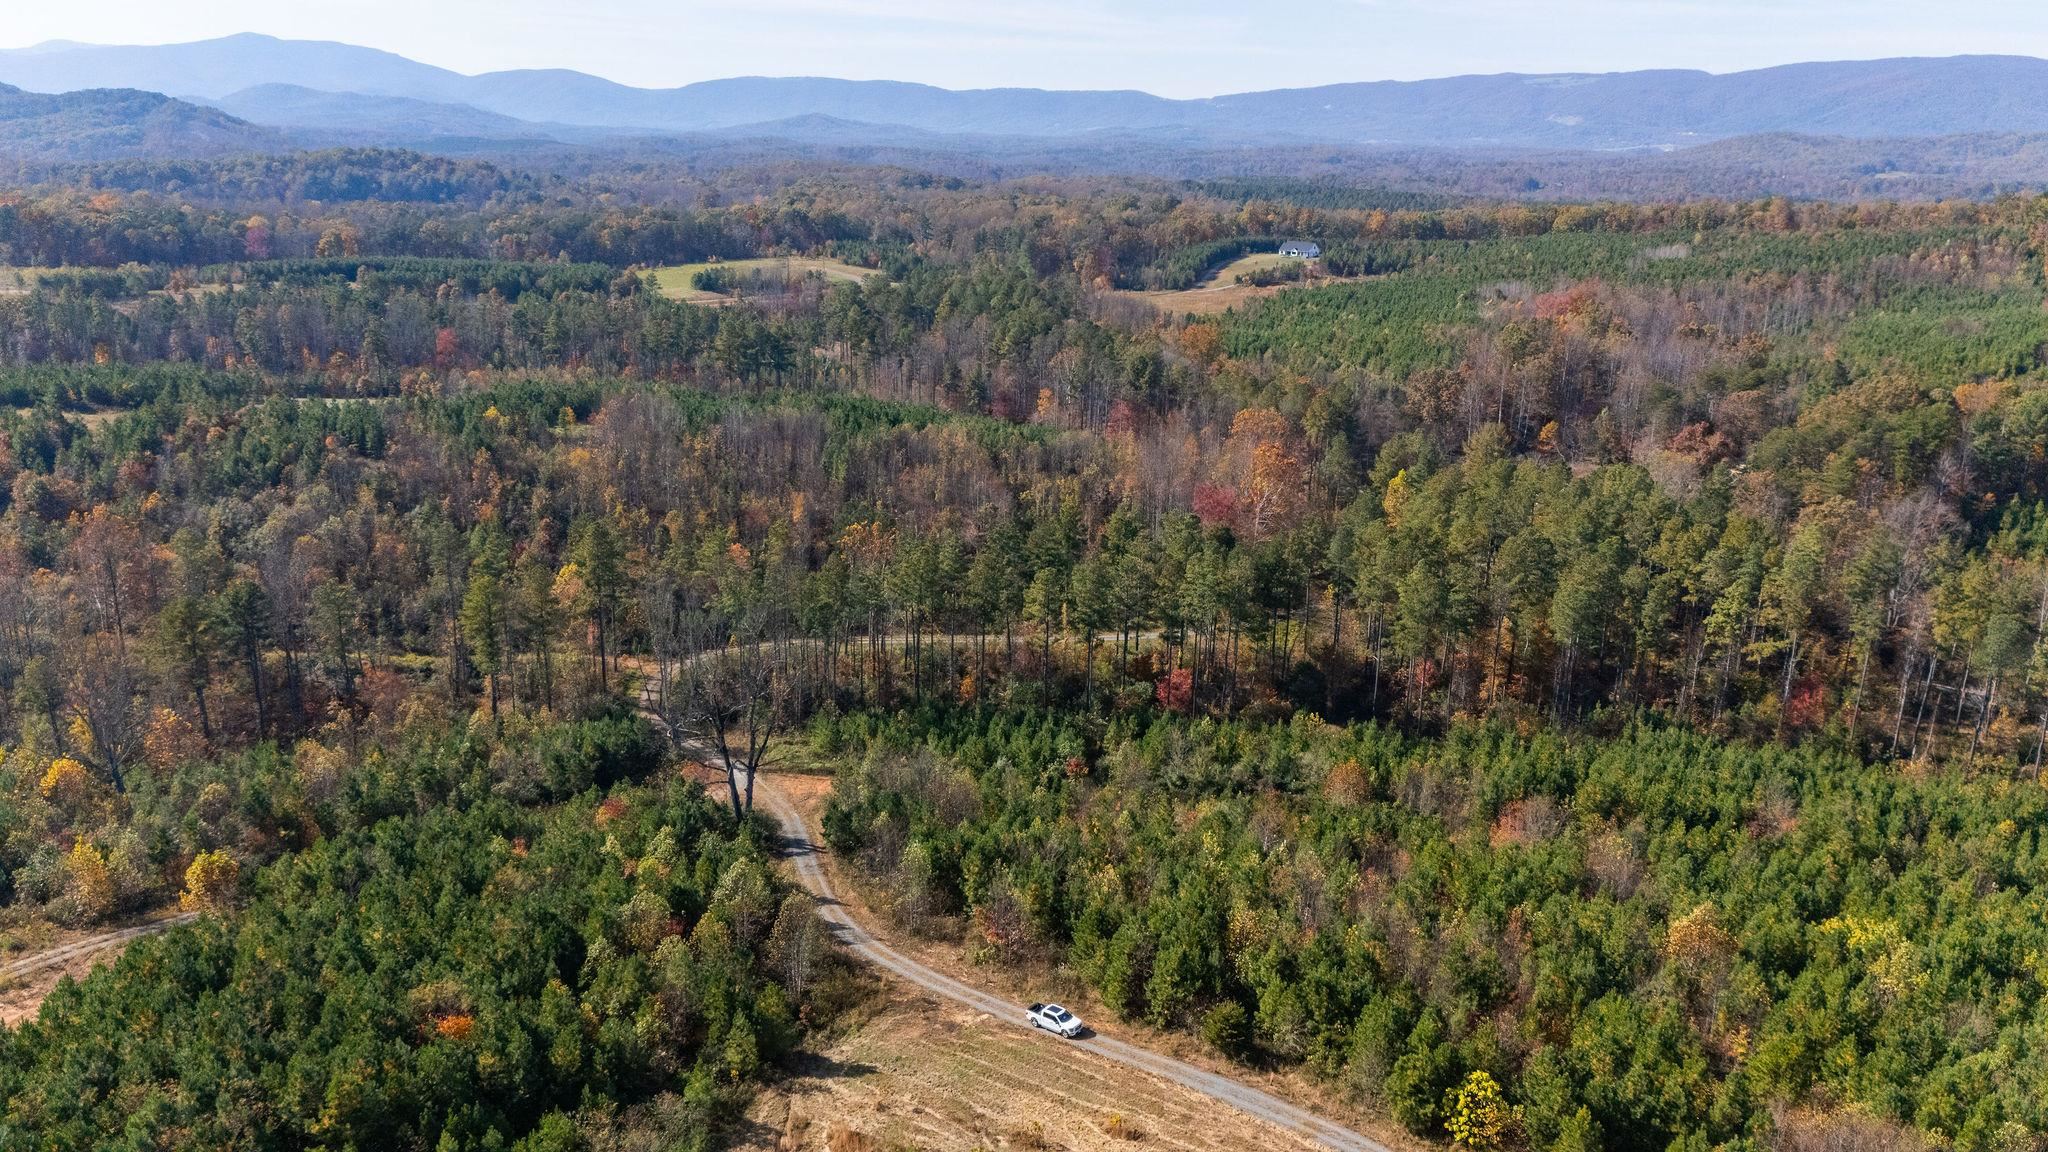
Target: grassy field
x: 21, y: 281
x: 94, y: 419
x: 17, y: 281
x: 674, y: 281
x: 1245, y: 266
x: 1219, y: 290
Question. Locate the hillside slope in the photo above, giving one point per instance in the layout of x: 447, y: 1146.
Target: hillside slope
x: 112, y: 124
x: 384, y: 120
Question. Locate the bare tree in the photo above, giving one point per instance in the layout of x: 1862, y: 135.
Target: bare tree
x: 104, y: 692
x: 726, y: 704
x: 720, y: 692
x: 736, y: 700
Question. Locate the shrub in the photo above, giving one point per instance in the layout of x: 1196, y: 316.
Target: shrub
x: 92, y: 883
x: 597, y: 753
x: 1227, y: 1028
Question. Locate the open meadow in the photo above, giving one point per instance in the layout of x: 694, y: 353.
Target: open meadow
x: 677, y: 281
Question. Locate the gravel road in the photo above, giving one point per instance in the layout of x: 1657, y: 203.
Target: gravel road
x: 804, y: 852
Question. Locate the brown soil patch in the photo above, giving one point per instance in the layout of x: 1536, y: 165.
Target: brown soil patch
x: 22, y: 996
x: 23, y: 943
x: 932, y: 1075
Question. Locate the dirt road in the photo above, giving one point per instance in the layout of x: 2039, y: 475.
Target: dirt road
x: 26, y: 980
x: 64, y: 954
x: 804, y: 852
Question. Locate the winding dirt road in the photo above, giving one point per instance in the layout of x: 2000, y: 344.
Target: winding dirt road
x: 803, y: 852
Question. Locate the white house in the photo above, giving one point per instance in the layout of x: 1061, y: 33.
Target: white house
x: 1301, y: 249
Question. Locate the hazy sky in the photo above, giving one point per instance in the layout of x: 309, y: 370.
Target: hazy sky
x: 1173, y: 47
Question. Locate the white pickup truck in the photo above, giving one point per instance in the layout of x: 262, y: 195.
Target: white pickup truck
x: 1054, y: 1019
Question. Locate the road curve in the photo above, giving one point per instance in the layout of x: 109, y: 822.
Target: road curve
x: 804, y: 852
x: 65, y: 953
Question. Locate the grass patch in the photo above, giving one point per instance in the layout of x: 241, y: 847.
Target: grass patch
x: 1249, y: 265
x: 676, y: 280
x: 19, y: 281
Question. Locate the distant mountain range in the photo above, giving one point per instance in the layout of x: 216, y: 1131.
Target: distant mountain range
x: 1917, y: 128
x: 294, y: 106
x: 340, y: 87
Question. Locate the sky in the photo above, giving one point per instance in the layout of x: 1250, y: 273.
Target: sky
x: 1176, y: 48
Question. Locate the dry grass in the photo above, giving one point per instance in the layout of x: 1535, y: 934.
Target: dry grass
x: 674, y: 281
x: 21, y: 997
x: 1220, y: 291
x: 918, y: 1073
x: 844, y: 1139
x: 933, y: 1076
x: 1245, y: 266
x: 1849, y: 1130
x: 17, y: 281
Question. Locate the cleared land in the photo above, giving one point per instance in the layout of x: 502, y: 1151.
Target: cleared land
x: 27, y: 977
x: 674, y: 281
x: 945, y: 1066
x: 1219, y: 290
x: 18, y: 281
x: 93, y: 419
x: 1245, y: 266
x: 933, y: 1075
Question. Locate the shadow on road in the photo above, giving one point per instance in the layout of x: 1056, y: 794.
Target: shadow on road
x: 790, y: 848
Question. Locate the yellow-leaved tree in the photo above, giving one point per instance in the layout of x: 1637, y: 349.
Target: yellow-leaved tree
x: 1480, y: 1117
x: 67, y: 783
x: 92, y: 882
x: 210, y: 883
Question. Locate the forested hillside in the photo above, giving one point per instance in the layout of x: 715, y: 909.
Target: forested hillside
x: 84, y: 126
x: 460, y: 978
x: 1913, y: 96
x: 1653, y: 941
x: 1600, y: 646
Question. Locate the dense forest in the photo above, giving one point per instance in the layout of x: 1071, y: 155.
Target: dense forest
x: 1653, y: 939
x: 1602, y: 646
x: 471, y: 976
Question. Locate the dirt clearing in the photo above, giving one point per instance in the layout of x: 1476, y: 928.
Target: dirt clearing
x: 932, y: 1075
x: 938, y: 1068
x: 35, y: 958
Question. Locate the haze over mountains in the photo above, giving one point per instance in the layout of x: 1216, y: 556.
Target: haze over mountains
x: 1656, y: 109
x: 121, y: 123
x: 1970, y: 126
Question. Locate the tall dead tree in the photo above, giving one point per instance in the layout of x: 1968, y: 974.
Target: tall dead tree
x: 729, y: 703
x: 719, y: 692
